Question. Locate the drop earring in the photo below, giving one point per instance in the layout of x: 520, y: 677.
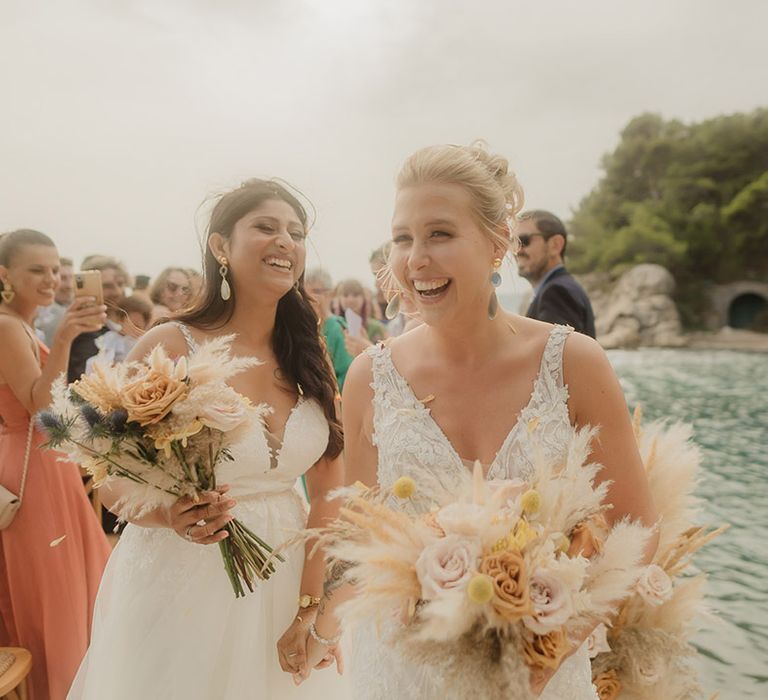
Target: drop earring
x: 493, y: 302
x: 224, y: 290
x: 8, y: 294
x: 393, y: 307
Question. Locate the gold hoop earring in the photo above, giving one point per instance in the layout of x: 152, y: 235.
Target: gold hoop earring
x: 8, y: 294
x: 224, y: 290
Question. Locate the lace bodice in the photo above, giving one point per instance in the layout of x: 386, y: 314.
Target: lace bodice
x: 411, y: 443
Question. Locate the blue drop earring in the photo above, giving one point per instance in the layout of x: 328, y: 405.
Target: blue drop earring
x: 493, y: 302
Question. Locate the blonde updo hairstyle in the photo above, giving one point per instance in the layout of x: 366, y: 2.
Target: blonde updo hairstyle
x: 494, y: 189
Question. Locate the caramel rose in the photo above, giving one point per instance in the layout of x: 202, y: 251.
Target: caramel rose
x: 608, y: 685
x: 584, y: 542
x: 545, y: 650
x: 510, y: 582
x: 151, y: 397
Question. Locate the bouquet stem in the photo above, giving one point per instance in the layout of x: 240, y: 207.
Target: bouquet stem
x: 246, y: 557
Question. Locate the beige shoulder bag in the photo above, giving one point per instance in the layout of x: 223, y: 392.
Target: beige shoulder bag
x: 10, y: 502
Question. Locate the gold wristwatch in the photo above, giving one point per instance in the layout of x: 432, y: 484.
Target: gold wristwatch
x: 308, y: 601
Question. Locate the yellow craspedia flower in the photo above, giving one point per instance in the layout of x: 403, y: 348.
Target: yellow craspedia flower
x: 522, y: 535
x: 562, y: 543
x: 480, y: 589
x: 531, y: 501
x: 404, y: 487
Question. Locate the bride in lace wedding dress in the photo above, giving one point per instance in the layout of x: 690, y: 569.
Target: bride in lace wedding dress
x: 471, y: 383
x: 166, y: 623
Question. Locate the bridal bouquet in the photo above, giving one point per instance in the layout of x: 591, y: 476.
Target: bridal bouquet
x: 161, y: 427
x: 646, y: 651
x: 495, y: 583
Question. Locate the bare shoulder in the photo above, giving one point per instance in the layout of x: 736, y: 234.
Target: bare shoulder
x: 11, y: 326
x: 593, y: 386
x: 357, y: 384
x: 167, y: 334
x: 584, y: 360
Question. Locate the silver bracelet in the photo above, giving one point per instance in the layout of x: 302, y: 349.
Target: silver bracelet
x: 322, y: 640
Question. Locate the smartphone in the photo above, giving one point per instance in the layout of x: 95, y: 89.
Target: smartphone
x: 88, y: 284
x: 354, y: 322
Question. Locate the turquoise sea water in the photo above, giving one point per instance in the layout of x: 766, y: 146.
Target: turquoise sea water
x: 724, y: 395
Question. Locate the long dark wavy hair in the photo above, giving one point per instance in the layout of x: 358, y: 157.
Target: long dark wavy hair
x: 296, y: 340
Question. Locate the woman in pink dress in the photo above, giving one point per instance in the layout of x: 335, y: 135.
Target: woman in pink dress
x: 53, y: 553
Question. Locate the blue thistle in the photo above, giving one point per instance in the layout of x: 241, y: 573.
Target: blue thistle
x: 117, y: 421
x: 92, y: 416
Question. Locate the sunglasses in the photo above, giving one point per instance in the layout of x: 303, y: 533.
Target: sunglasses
x: 525, y: 238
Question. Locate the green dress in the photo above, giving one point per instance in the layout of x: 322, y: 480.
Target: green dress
x: 333, y: 330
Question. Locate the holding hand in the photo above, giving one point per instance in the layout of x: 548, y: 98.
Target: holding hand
x: 201, y: 521
x: 83, y: 316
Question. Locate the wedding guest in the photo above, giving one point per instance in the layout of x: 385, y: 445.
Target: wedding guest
x: 557, y: 297
x: 170, y: 292
x: 53, y: 553
x: 114, y: 279
x: 49, y: 317
x: 117, y: 342
x: 319, y: 286
x: 195, y: 283
x: 350, y: 294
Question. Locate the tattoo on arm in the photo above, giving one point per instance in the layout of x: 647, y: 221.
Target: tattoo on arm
x: 335, y: 577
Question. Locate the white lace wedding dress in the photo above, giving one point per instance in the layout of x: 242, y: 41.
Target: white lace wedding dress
x: 411, y: 443
x: 167, y: 625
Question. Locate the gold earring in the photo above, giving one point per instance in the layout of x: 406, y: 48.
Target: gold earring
x: 496, y: 275
x: 224, y: 290
x: 8, y: 294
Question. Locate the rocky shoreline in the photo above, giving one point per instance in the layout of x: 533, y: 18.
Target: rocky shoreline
x: 637, y: 310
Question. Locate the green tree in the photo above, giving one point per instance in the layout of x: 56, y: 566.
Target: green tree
x: 691, y: 197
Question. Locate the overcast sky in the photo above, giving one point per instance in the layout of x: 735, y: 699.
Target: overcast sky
x: 117, y: 119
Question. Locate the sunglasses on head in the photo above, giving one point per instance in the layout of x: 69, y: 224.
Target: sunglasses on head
x: 525, y: 238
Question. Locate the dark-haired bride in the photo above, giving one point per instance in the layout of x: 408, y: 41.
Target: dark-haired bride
x: 167, y: 624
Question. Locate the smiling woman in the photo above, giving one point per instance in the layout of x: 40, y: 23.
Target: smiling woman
x: 54, y: 519
x: 164, y: 588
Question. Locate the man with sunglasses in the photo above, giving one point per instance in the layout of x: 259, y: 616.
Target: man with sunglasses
x: 557, y: 297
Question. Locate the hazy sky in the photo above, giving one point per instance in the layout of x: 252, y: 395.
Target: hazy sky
x: 117, y: 119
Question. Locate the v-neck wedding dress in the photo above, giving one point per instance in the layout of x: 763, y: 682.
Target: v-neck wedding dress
x: 167, y: 625
x: 411, y: 443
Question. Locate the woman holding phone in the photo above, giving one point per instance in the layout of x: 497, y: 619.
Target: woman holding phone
x: 52, y: 552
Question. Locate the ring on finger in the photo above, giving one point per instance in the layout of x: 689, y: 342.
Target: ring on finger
x: 188, y: 534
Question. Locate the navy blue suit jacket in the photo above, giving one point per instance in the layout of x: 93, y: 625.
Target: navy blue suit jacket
x: 563, y: 300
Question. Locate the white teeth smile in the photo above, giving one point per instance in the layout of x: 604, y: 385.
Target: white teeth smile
x: 279, y: 262
x: 430, y: 285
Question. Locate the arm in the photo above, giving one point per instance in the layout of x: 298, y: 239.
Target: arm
x: 596, y: 400
x: 19, y: 366
x: 361, y: 461
x: 322, y: 478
